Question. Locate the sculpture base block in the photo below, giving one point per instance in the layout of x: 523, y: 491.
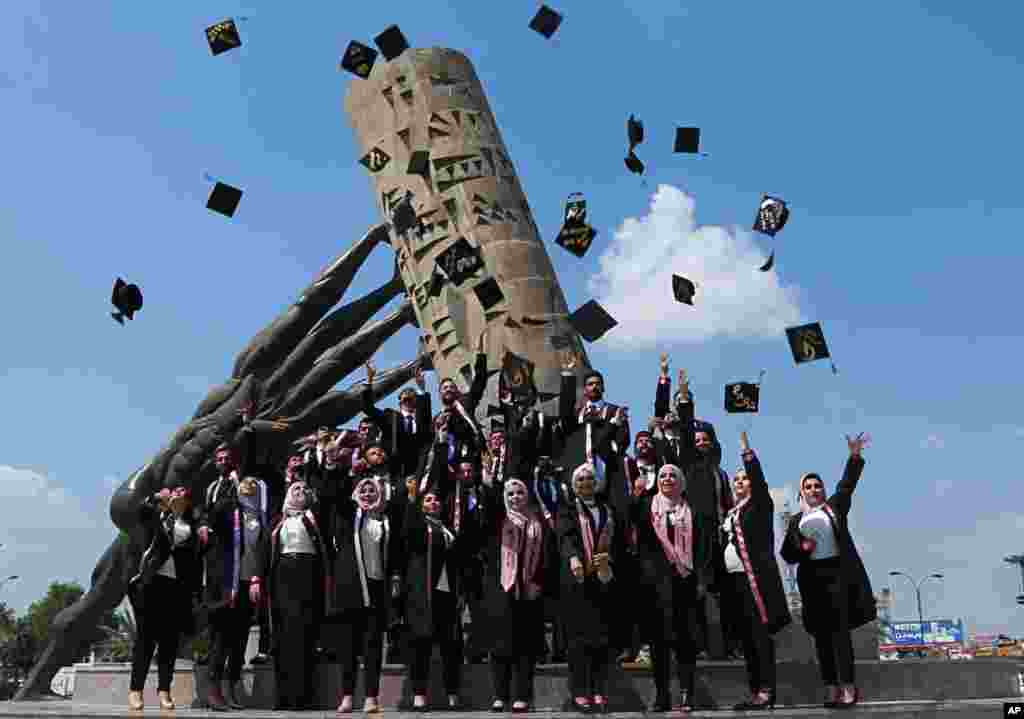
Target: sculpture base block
x: 719, y: 684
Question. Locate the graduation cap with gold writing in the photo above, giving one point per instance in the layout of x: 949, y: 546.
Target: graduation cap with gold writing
x: 742, y: 397
x: 577, y: 239
x: 223, y: 36
x: 807, y: 342
x: 592, y: 321
x: 358, y: 59
x: 683, y: 289
x: 516, y: 377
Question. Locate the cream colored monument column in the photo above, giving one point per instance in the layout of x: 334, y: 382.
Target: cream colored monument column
x: 431, y: 101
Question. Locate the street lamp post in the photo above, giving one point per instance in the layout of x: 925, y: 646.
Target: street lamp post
x: 1018, y: 559
x: 917, y: 590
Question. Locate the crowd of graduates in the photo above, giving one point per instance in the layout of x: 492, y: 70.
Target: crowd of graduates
x: 429, y: 530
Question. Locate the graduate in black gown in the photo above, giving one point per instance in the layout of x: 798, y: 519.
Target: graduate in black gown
x: 835, y: 590
x: 586, y: 531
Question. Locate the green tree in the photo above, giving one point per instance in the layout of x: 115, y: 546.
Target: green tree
x: 41, y: 613
x: 8, y: 622
x: 19, y: 652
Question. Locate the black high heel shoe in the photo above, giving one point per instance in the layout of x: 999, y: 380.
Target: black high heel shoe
x: 498, y: 706
x: 685, y: 702
x: 661, y: 704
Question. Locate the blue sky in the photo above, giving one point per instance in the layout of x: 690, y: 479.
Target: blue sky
x: 891, y: 129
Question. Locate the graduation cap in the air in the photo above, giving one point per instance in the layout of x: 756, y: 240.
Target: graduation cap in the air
x: 403, y: 215
x: 592, y: 321
x: 575, y: 209
x: 742, y: 397
x: 358, y: 59
x: 391, y: 42
x: 683, y: 289
x: 633, y: 164
x: 576, y: 239
x: 127, y: 298
x: 460, y: 261
x: 223, y: 37
x: 489, y: 293
x: 807, y: 342
x: 546, y: 21
x: 771, y: 215
x: 687, y: 139
x: 224, y: 199
x: 634, y: 131
x: 516, y: 377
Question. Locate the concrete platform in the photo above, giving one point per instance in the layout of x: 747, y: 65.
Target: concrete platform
x: 719, y: 684
x: 962, y: 709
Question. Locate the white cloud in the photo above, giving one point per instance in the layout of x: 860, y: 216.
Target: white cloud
x: 49, y: 534
x: 733, y: 298
x: 933, y: 441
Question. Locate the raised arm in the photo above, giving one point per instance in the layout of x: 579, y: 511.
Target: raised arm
x: 479, y: 385
x: 843, y: 497
x: 369, y: 408
x: 685, y: 410
x: 567, y: 393
x: 663, y: 393
x: 759, y: 493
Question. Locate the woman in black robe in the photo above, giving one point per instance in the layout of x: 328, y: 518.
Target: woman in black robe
x: 438, y: 540
x: 165, y: 590
x: 834, y: 587
x: 753, y: 597
x: 300, y: 582
x: 367, y: 573
x: 673, y: 562
x: 513, y: 536
x: 587, y: 529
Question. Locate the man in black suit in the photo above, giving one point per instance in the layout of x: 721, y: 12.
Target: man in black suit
x: 406, y: 431
x: 457, y: 419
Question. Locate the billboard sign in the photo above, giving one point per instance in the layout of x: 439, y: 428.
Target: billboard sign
x: 904, y: 634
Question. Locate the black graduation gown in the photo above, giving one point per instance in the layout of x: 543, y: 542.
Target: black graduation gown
x: 219, y: 551
x: 467, y: 435
x: 660, y: 609
x: 510, y: 627
x: 347, y: 587
x: 587, y: 608
x: 755, y: 537
x: 404, y: 448
x: 324, y: 552
x: 603, y: 434
x: 187, y: 560
x: 860, y: 607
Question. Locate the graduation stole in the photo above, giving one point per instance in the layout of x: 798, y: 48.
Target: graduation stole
x: 360, y: 520
x: 748, y: 568
x: 605, y: 530
x: 448, y: 539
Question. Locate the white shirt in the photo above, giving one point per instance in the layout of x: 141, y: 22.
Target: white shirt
x: 182, y: 532
x: 295, y: 538
x: 733, y: 563
x: 370, y: 535
x: 816, y: 525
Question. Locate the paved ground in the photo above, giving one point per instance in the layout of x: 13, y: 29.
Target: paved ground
x: 968, y: 708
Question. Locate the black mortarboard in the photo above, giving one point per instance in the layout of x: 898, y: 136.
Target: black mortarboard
x: 419, y: 164
x: 807, y: 343
x: 223, y: 36
x: 358, y: 59
x: 742, y: 397
x: 687, y: 139
x: 126, y: 298
x: 546, y: 21
x: 683, y: 289
x: 634, y: 165
x: 772, y: 214
x: 577, y: 239
x: 516, y: 376
x: 489, y: 293
x: 460, y: 261
x: 403, y: 215
x: 224, y: 199
x: 375, y: 160
x: 634, y: 131
x: 391, y: 42
x: 592, y: 321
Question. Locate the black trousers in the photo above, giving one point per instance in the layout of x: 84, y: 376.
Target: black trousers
x: 828, y: 597
x: 360, y: 633
x: 229, y: 634
x: 298, y: 583
x: 835, y: 657
x: 448, y: 636
x: 685, y: 643
x: 758, y: 644
x: 588, y: 671
x: 160, y: 624
x: 513, y: 677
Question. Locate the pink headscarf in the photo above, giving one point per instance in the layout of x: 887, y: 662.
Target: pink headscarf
x: 679, y: 552
x: 374, y: 505
x: 520, y: 532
